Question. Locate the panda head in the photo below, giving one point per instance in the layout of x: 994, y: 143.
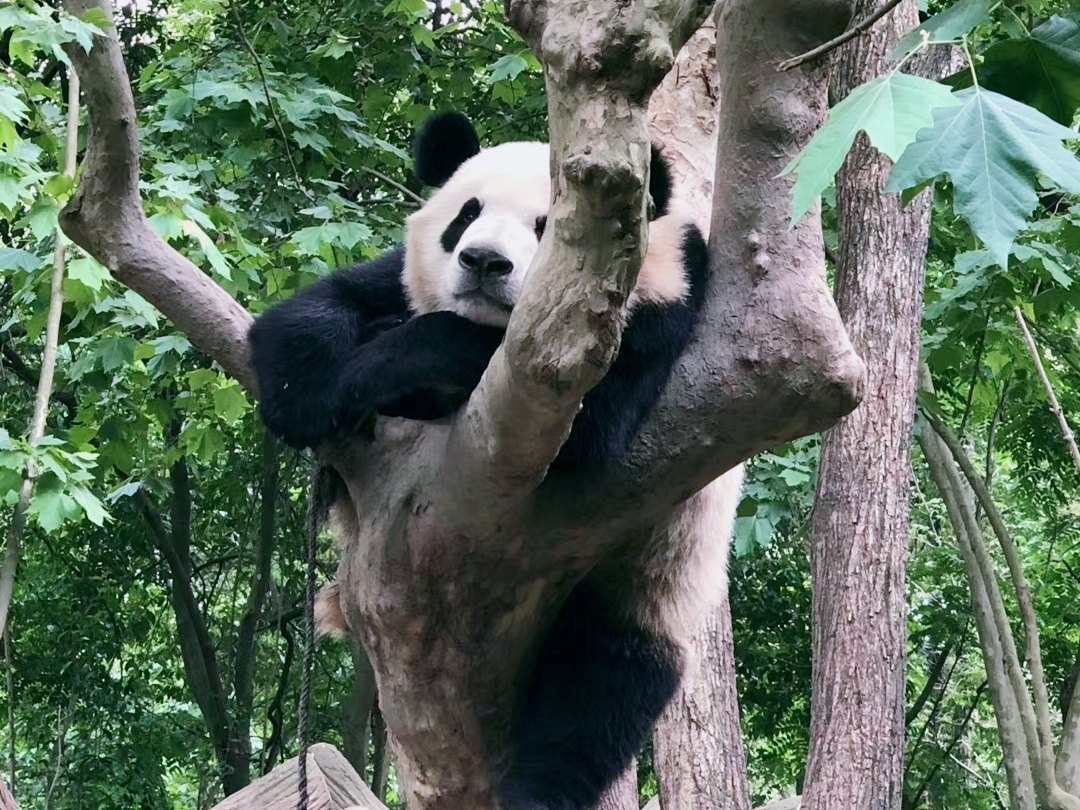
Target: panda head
x: 469, y: 247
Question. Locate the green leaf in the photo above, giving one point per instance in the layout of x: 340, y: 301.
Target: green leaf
x: 11, y: 106
x: 91, y: 505
x: 230, y: 403
x: 88, y: 272
x: 992, y: 148
x: 116, y: 352
x: 18, y: 260
x: 891, y: 109
x: 51, y: 507
x: 948, y: 26
x: 507, y: 67
x: 209, y: 249
x: 175, y: 343
x: 59, y: 185
x: 1041, y: 69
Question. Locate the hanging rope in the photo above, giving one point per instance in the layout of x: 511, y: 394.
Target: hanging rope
x: 314, y: 520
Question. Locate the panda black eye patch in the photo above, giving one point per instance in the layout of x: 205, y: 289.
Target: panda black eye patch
x: 466, y: 216
x: 541, y: 223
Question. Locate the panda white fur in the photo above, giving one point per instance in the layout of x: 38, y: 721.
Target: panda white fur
x: 410, y: 335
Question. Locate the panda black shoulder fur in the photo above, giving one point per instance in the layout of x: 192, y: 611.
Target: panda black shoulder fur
x: 410, y: 335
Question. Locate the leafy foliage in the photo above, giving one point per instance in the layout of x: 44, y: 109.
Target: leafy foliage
x: 889, y: 109
x: 992, y: 148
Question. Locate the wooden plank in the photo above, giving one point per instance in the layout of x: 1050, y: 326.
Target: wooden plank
x: 332, y: 785
x: 7, y: 801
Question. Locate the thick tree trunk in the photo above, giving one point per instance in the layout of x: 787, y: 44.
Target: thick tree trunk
x: 860, y: 522
x: 467, y: 547
x: 700, y: 758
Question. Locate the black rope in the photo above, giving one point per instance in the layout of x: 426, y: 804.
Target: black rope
x: 312, y: 531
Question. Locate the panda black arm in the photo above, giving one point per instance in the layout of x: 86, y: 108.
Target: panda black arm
x: 300, y: 347
x: 424, y: 369
x: 655, y: 336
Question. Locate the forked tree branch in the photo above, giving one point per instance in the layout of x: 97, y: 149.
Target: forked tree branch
x: 106, y: 218
x: 999, y: 653
x: 556, y: 349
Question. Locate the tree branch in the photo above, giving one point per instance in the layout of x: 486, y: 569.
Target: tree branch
x: 836, y: 42
x: 1067, y: 766
x: 958, y: 732
x: 1016, y: 569
x: 932, y: 680
x: 602, y: 61
x: 196, y: 646
x: 265, y: 542
x: 27, y: 375
x: 999, y: 653
x: 105, y: 216
x: 1055, y: 406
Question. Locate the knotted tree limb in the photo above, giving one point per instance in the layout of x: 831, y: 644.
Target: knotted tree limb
x: 457, y: 547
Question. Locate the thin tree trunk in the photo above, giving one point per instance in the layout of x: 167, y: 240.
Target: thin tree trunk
x: 17, y: 528
x: 1034, y: 712
x: 1007, y: 710
x: 860, y: 522
x: 247, y: 634
x: 357, y: 712
x: 623, y: 793
x: 380, y: 761
x: 196, y: 647
x: 1067, y: 767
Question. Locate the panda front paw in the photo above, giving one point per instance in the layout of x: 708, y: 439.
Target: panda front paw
x: 300, y: 424
x: 424, y: 369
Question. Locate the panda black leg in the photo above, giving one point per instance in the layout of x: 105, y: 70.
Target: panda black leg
x: 597, y: 689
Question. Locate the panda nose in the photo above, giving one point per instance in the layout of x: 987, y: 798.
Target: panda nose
x: 485, y: 262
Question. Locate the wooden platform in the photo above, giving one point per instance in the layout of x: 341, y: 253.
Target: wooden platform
x: 332, y: 785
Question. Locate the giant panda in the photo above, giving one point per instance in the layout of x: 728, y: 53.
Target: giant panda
x: 410, y: 334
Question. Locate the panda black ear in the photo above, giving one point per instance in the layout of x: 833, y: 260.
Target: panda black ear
x: 444, y: 142
x: 660, y: 182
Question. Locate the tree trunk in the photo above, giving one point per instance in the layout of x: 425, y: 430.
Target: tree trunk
x: 700, y: 758
x: 1068, y: 758
x: 623, y: 794
x: 467, y: 547
x: 356, y: 723
x: 860, y: 522
x: 1007, y: 711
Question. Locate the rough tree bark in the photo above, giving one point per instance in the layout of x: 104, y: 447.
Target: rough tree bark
x: 623, y: 793
x: 859, y: 532
x: 700, y: 756
x: 467, y: 548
